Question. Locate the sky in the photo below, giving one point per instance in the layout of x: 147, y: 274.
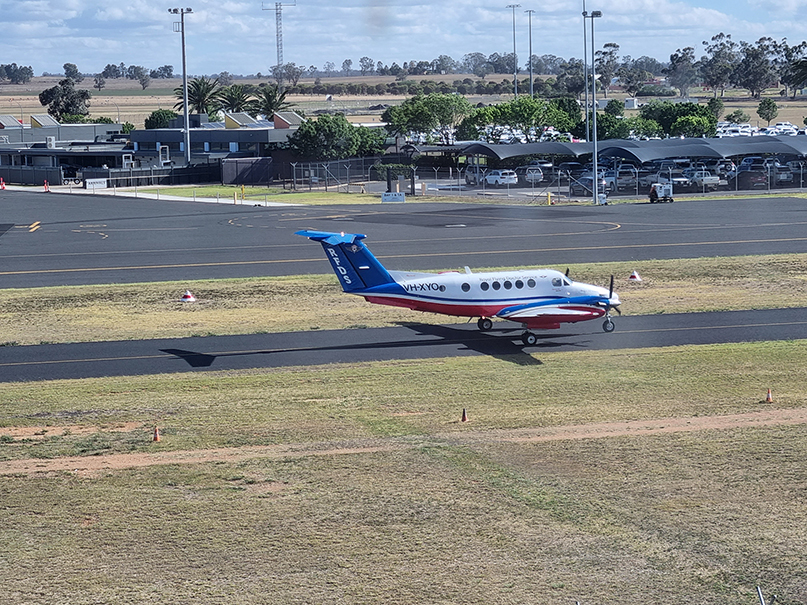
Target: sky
x: 240, y: 36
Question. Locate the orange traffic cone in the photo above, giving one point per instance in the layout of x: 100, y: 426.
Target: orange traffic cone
x: 769, y: 397
x: 464, y: 416
x: 2, y: 183
x: 188, y: 297
x: 156, y: 434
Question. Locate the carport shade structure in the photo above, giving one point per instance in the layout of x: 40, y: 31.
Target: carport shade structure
x: 646, y: 151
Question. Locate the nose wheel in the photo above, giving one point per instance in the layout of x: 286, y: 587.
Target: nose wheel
x: 608, y: 325
x: 528, y: 338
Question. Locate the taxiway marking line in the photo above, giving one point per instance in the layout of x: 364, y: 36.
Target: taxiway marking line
x: 401, y: 256
x: 472, y: 337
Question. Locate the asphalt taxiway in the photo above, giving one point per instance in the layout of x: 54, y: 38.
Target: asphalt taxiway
x: 408, y: 341
x: 53, y: 239
x: 60, y: 239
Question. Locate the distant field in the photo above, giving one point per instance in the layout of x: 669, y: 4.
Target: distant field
x: 136, y: 104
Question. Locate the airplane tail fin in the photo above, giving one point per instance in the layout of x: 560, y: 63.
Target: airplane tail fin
x: 351, y: 260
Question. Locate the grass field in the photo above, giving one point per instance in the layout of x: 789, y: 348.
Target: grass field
x: 658, y: 476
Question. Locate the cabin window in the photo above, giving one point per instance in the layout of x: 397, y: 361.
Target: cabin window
x: 566, y: 282
x: 496, y: 285
x: 508, y: 285
x: 466, y: 287
x: 442, y: 288
x: 531, y: 283
x: 557, y: 282
x: 519, y: 284
x: 484, y: 286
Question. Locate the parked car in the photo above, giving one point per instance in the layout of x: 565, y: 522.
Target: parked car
x: 499, y: 178
x: 748, y: 179
x: 529, y: 175
x: 702, y: 180
x: 585, y: 186
x: 624, y: 177
x: 473, y: 174
x: 569, y: 170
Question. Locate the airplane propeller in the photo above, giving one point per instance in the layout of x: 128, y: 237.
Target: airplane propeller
x: 610, y: 296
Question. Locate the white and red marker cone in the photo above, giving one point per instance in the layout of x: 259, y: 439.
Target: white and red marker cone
x: 188, y: 297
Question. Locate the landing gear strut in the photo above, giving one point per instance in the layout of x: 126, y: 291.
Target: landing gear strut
x: 484, y: 324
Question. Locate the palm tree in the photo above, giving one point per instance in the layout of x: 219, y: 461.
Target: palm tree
x: 271, y: 99
x: 203, y: 96
x: 235, y: 99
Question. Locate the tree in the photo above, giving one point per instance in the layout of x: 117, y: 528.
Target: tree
x: 632, y: 78
x: 476, y: 63
x: 163, y: 72
x: 144, y: 79
x: 347, y: 64
x: 235, y: 99
x: 615, y: 108
x: 786, y: 58
x: 100, y: 82
x: 716, y: 106
x: 329, y: 68
x: 737, y: 117
x: 570, y: 80
x: 371, y: 141
x: 203, y: 95
x: 16, y: 74
x: 64, y: 99
x: 225, y: 78
x: 682, y: 72
x: 112, y: 71
x: 693, y: 126
x: 754, y: 72
x: 292, y: 73
x: 71, y: 72
x: 667, y: 114
x: 366, y: 66
x: 324, y: 139
x: 448, y: 110
x: 718, y: 65
x: 160, y: 119
x: 606, y: 63
x: 270, y: 99
x: 767, y: 110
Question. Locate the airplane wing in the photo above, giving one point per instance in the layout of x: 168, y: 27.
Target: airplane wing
x: 552, y: 312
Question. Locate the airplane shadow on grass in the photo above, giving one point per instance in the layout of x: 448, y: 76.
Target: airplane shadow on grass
x: 495, y: 343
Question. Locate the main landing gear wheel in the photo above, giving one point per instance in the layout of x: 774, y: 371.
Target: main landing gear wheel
x: 529, y: 339
x: 484, y: 324
x: 608, y: 325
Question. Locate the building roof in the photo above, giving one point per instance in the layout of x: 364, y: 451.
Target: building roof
x: 43, y: 120
x: 8, y: 121
x: 645, y: 151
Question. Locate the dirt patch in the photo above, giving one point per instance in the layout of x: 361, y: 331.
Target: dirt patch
x: 93, y: 465
x: 41, y: 432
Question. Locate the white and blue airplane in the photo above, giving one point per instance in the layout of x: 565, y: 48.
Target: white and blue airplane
x: 539, y: 299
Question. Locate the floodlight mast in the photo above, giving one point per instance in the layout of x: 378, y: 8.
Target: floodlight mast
x: 515, y: 56
x: 279, y: 33
x: 181, y: 12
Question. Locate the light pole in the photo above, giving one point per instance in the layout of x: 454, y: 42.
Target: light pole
x: 515, y: 56
x: 181, y: 12
x: 529, y: 60
x: 20, y: 106
x: 585, y: 69
x: 594, y: 186
x: 116, y: 107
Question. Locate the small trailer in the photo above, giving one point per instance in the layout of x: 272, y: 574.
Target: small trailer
x: 661, y: 192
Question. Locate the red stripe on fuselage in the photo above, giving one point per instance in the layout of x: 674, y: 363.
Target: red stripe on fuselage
x: 548, y: 321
